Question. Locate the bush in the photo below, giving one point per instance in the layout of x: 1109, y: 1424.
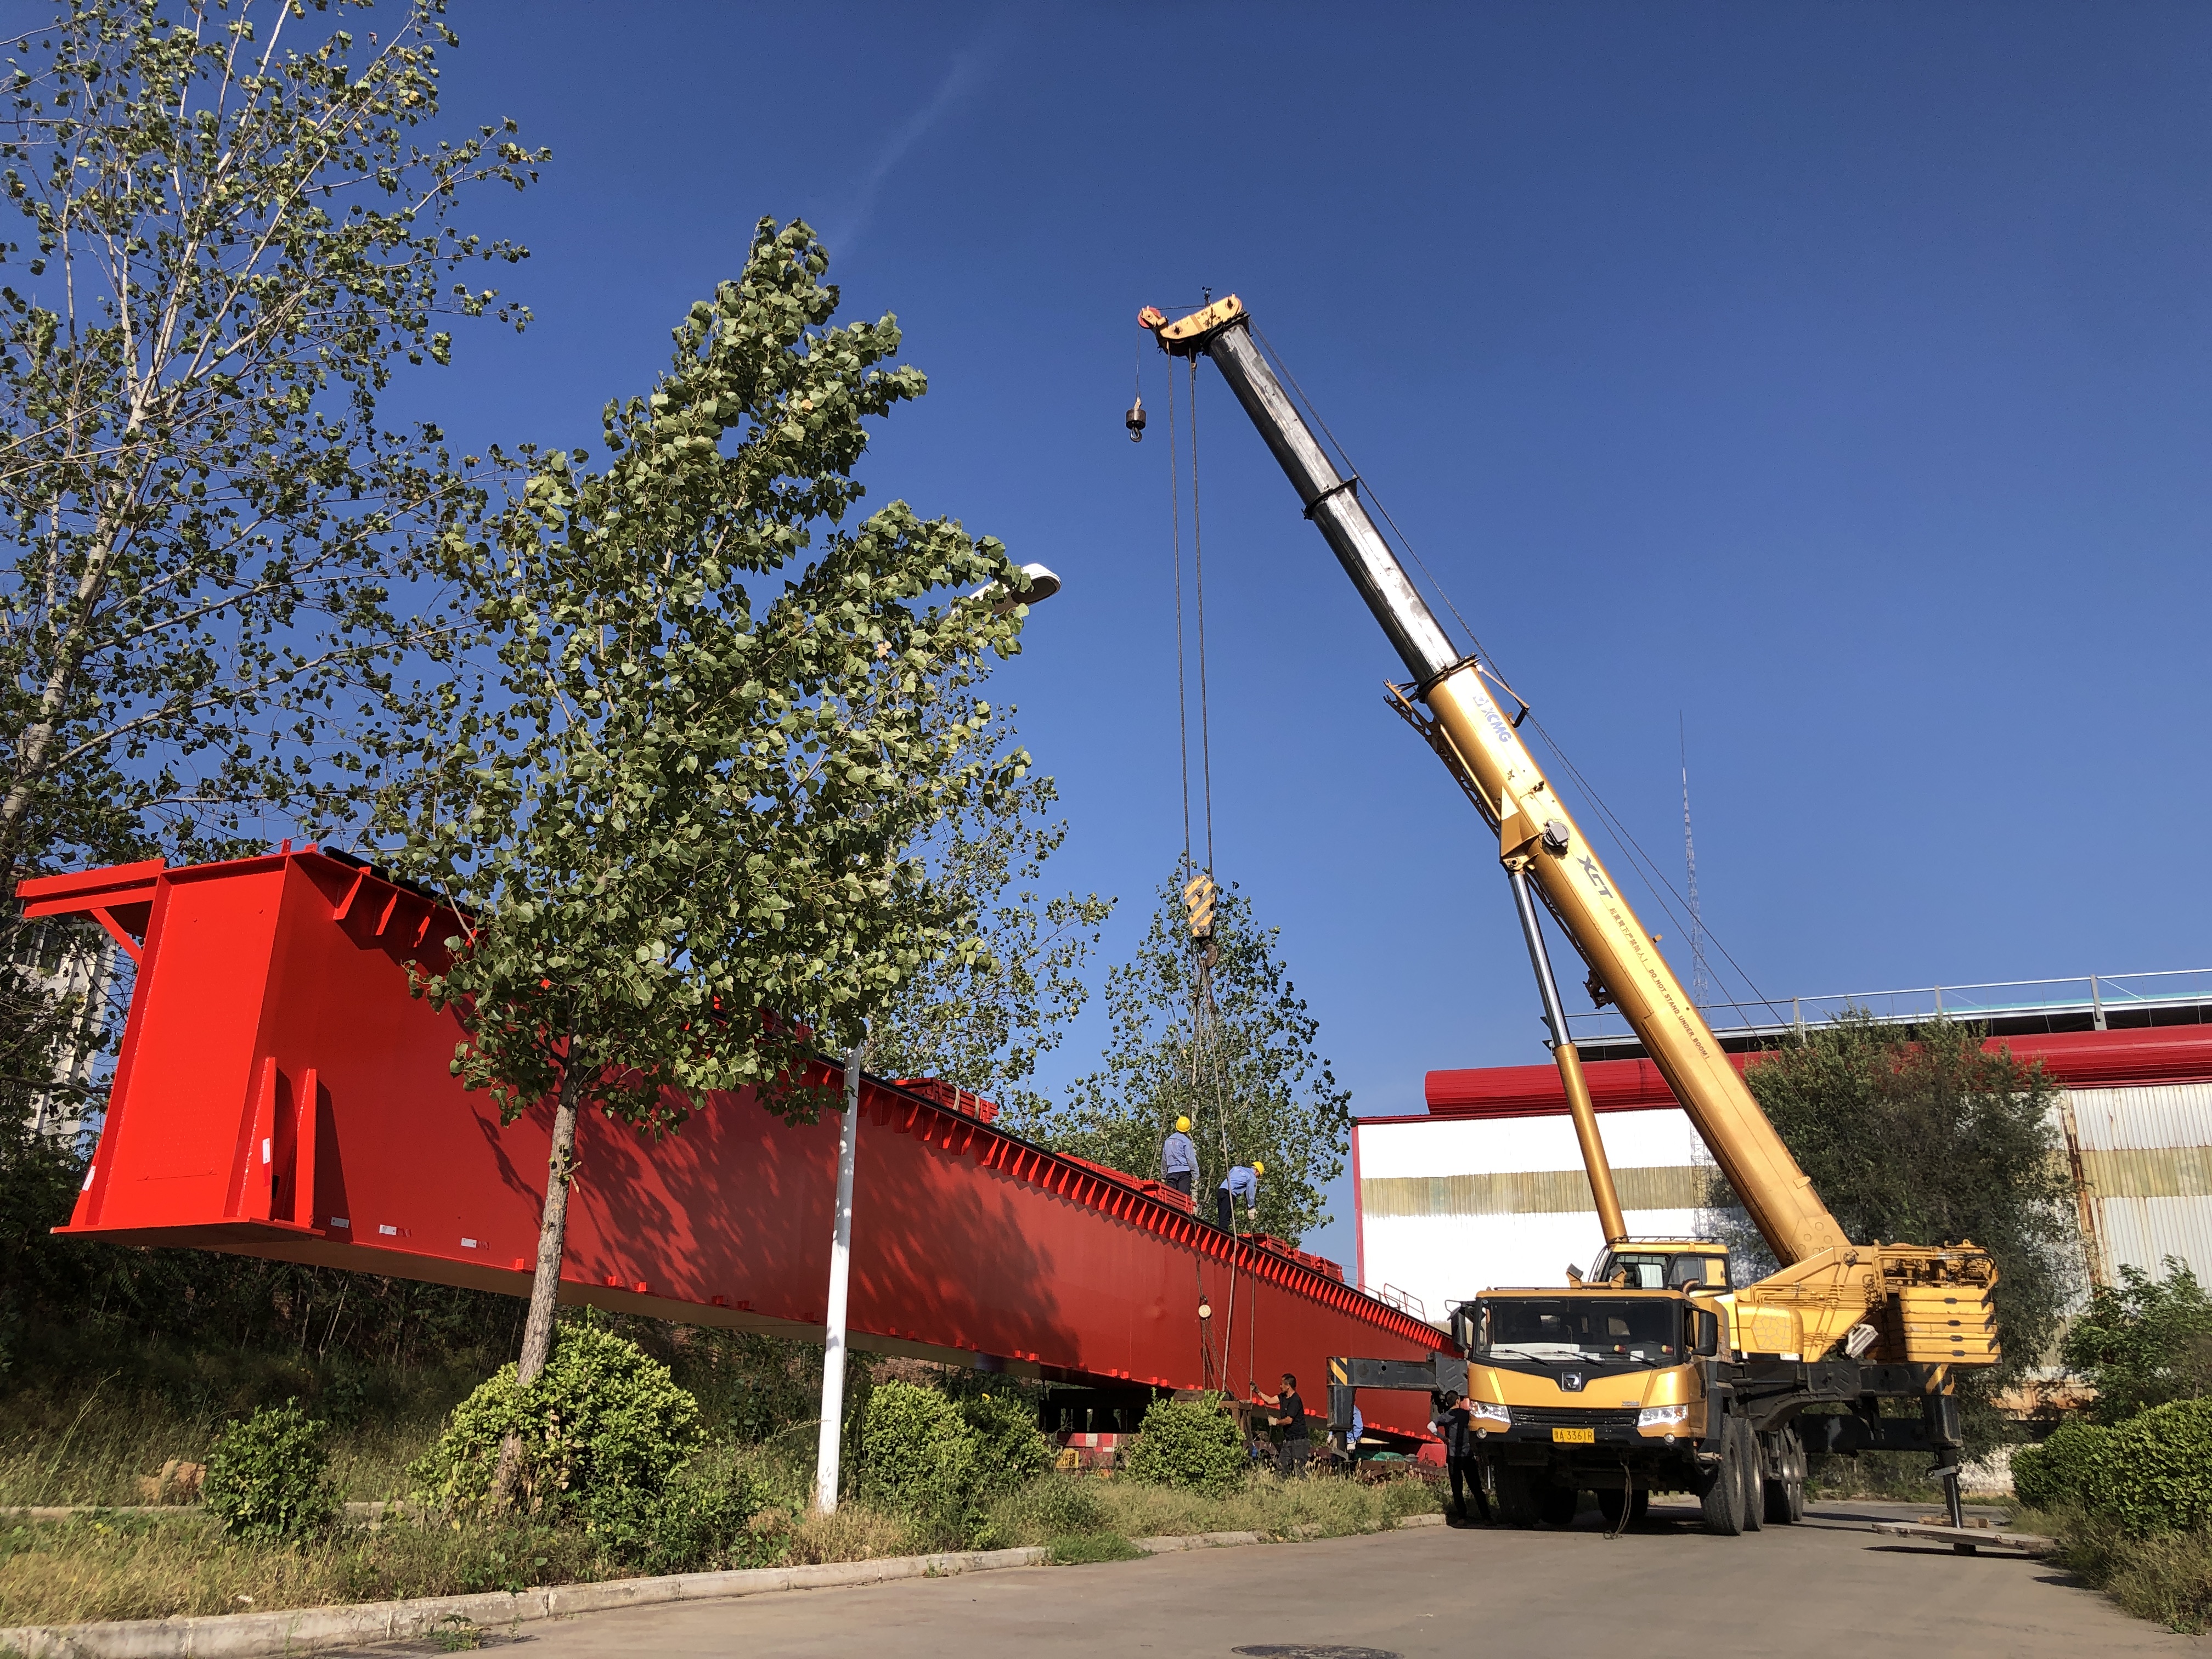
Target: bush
x: 696, y: 1522
x: 2151, y: 1473
x: 603, y: 1429
x: 2064, y: 1470
x: 2143, y: 1342
x: 268, y: 1477
x: 1010, y: 1450
x: 2161, y: 1477
x: 917, y: 1454
x: 1192, y: 1443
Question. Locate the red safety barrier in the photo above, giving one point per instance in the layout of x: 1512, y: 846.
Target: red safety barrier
x: 279, y: 1093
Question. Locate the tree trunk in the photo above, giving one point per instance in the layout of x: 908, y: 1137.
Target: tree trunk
x: 546, y: 1287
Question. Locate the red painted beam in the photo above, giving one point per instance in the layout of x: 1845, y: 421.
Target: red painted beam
x: 279, y: 1093
x: 2080, y: 1059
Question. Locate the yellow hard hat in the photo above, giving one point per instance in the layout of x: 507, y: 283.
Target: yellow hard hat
x: 1258, y: 1168
x: 1182, y: 1124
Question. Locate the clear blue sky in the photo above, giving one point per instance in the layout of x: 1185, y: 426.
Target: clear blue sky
x: 1833, y: 379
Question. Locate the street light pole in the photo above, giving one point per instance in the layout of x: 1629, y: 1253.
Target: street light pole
x: 840, y: 1278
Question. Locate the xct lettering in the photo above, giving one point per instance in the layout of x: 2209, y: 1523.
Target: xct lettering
x: 1597, y: 880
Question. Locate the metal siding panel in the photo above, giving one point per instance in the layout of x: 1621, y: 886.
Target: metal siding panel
x: 2157, y: 1114
x: 2141, y: 1232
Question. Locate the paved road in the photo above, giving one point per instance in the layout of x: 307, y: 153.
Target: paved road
x: 1829, y: 1587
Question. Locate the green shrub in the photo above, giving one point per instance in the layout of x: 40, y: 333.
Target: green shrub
x: 2061, y: 1471
x: 2151, y: 1473
x: 1192, y: 1443
x: 603, y: 1429
x: 2144, y: 1341
x: 268, y: 1477
x: 1010, y: 1450
x: 2162, y: 1474
x: 917, y: 1454
x: 696, y: 1521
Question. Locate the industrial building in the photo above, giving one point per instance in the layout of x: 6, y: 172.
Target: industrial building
x: 1487, y: 1187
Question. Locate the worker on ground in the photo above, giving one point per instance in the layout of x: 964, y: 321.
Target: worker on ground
x: 1448, y: 1423
x: 1242, y: 1181
x: 1289, y: 1414
x: 1179, y: 1159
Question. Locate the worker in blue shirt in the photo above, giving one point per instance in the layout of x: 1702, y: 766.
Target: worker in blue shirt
x: 1244, y: 1183
x: 1179, y: 1158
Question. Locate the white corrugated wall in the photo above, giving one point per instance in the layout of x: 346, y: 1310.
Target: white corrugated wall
x: 1453, y: 1207
x: 1450, y: 1206
x: 2147, y: 1160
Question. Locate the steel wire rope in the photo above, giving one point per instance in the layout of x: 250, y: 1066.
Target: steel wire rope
x: 1617, y: 831
x: 1621, y: 835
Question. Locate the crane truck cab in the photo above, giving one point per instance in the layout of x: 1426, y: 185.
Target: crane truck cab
x: 1610, y: 1388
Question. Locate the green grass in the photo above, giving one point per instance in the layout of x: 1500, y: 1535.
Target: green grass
x: 92, y: 1440
x: 95, y: 1441
x: 2165, y: 1578
x: 1077, y: 1549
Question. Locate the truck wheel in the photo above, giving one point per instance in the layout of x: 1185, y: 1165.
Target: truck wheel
x: 1785, y: 1497
x: 1517, y: 1503
x: 1720, y: 1489
x: 1556, y: 1505
x: 1753, y: 1465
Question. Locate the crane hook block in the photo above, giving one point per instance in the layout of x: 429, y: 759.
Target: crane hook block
x: 1134, y: 420
x: 1197, y: 898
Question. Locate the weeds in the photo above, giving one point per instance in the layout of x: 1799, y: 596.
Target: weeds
x: 2166, y: 1578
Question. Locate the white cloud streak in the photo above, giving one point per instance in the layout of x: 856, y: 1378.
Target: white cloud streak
x: 963, y: 77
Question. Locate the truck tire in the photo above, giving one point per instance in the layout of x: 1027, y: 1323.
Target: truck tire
x: 1753, y: 1465
x: 1517, y: 1501
x: 1558, y: 1505
x: 1785, y: 1497
x: 1720, y: 1488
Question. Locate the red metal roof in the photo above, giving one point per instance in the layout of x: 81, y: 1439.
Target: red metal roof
x: 2081, y: 1060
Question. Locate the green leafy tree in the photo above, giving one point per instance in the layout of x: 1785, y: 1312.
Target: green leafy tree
x: 1920, y: 1134
x: 229, y: 239
x: 979, y: 1015
x: 2143, y: 1341
x: 681, y: 801
x: 1242, y: 1066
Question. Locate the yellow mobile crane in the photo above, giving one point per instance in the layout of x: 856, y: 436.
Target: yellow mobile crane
x: 1654, y: 1371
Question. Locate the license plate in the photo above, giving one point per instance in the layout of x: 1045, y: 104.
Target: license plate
x: 1575, y: 1437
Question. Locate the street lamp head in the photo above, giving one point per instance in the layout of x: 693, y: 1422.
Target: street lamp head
x: 1043, y: 585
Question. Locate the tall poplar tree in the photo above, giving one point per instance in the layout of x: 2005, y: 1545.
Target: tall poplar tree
x: 681, y: 800
x: 229, y: 237
x: 1246, y: 1071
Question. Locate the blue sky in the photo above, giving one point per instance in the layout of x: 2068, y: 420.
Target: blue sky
x: 1829, y: 380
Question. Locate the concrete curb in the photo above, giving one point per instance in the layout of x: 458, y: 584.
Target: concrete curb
x: 305, y: 1630
x: 309, y: 1630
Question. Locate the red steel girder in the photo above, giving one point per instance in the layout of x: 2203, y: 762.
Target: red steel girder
x: 280, y: 1093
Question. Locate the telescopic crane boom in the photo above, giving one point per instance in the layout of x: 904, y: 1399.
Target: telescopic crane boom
x: 1839, y: 1319
x: 1538, y: 840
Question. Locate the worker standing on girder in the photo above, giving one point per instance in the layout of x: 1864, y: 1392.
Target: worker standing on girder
x: 1179, y: 1159
x: 1242, y: 1181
